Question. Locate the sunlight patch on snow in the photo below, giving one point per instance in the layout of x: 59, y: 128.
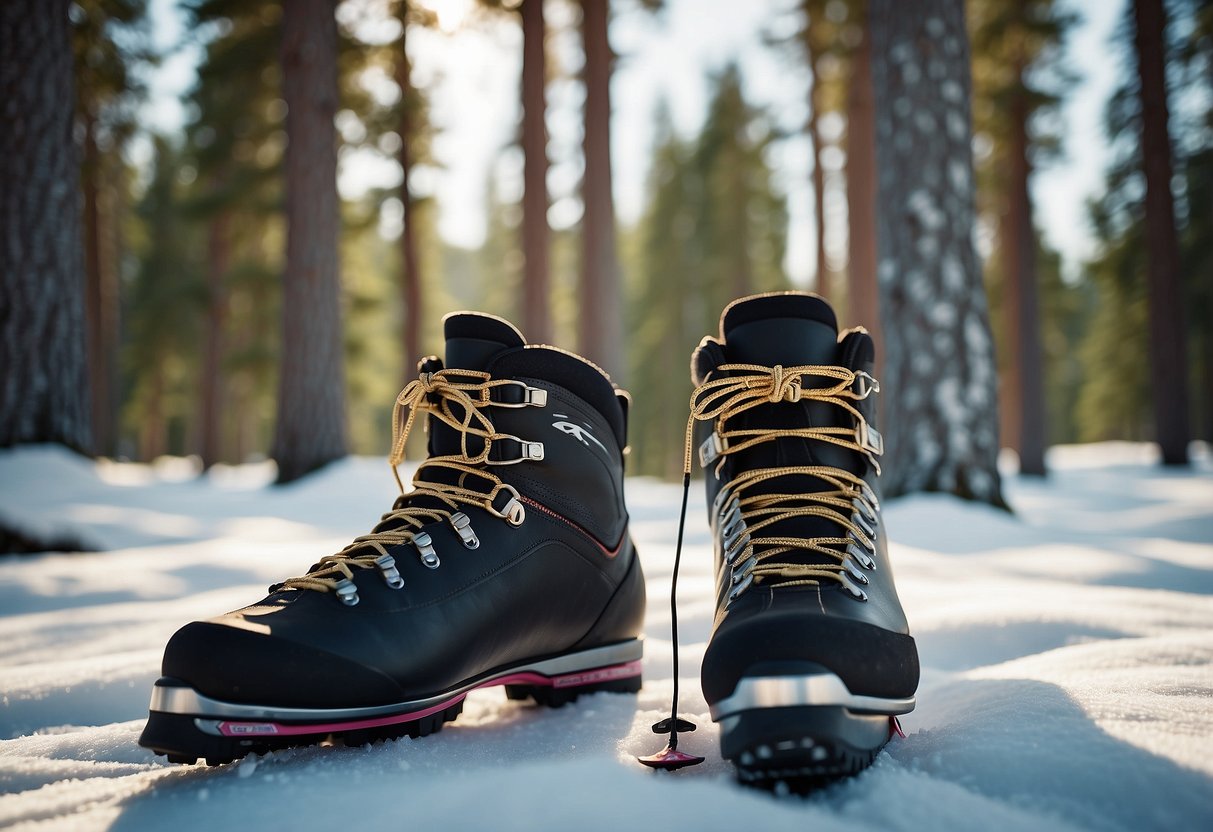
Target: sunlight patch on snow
x: 1066, y: 649
x: 151, y: 523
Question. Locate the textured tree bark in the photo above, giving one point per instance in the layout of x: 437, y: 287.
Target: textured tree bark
x: 601, y: 302
x: 410, y: 260
x: 44, y: 386
x: 536, y: 317
x: 1168, y: 347
x: 152, y: 430
x: 218, y: 259
x: 940, y: 386
x: 1206, y: 341
x: 1026, y: 368
x: 863, y: 308
x: 114, y: 195
x: 100, y: 297
x: 819, y: 179
x: 310, y: 431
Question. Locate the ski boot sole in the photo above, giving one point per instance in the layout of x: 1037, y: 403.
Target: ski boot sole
x: 184, y: 725
x: 800, y: 733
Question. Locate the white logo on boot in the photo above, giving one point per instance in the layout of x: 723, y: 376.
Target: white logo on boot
x: 577, y: 431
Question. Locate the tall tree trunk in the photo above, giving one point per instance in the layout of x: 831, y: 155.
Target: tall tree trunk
x: 1206, y: 376
x: 819, y: 179
x: 536, y: 316
x: 211, y: 411
x: 410, y: 260
x: 101, y: 257
x: 863, y: 308
x: 310, y: 431
x: 90, y: 173
x: 601, y: 301
x: 114, y: 194
x: 939, y: 382
x: 44, y: 390
x: 153, y: 432
x: 737, y: 216
x: 1022, y: 297
x: 1168, y: 334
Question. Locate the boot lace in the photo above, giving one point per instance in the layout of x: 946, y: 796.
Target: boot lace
x: 456, y: 398
x: 842, y: 502
x: 747, y: 386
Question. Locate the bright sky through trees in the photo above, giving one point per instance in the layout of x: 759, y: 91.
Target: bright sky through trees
x: 471, y: 66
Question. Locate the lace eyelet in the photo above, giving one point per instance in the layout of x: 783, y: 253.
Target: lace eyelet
x: 745, y: 584
x: 851, y: 587
x: 859, y: 518
x: 425, y: 548
x: 855, y: 572
x: 347, y: 592
x: 856, y: 551
x: 391, y: 575
x: 463, y: 527
x: 513, y: 512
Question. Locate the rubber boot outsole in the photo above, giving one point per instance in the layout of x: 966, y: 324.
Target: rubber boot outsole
x: 802, y: 748
x: 219, y: 739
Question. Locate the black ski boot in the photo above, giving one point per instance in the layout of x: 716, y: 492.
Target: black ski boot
x: 810, y: 657
x: 508, y: 563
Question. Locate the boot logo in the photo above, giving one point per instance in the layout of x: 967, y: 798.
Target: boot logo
x: 577, y: 431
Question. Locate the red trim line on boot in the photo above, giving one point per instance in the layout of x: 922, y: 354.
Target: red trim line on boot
x: 610, y: 553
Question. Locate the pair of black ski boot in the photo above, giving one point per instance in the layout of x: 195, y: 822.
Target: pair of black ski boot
x: 509, y: 563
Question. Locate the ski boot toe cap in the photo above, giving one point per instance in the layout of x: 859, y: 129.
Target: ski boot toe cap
x: 243, y: 665
x: 870, y: 660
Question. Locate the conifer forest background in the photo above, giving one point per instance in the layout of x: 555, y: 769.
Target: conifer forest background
x: 209, y: 291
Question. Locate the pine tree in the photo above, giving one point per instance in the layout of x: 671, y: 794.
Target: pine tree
x: 817, y: 35
x: 161, y: 306
x: 668, y: 307
x: 1016, y: 44
x: 311, y: 427
x: 1116, y: 398
x: 1113, y: 402
x: 235, y: 146
x: 536, y: 285
x: 44, y: 393
x: 409, y: 125
x: 1168, y: 334
x: 741, y: 221
x: 110, y: 44
x: 713, y: 230
x: 1196, y: 58
x: 600, y: 323
x: 862, y: 293
x: 940, y: 385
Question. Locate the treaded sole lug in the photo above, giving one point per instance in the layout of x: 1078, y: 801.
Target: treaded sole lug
x: 169, y: 734
x: 416, y: 729
x: 801, y: 748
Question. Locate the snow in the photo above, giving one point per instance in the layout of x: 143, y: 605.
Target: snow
x: 1067, y: 657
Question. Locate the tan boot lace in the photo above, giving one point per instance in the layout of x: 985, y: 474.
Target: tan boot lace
x: 456, y: 398
x: 748, y: 386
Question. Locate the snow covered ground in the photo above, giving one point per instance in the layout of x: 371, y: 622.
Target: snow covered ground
x: 1067, y: 653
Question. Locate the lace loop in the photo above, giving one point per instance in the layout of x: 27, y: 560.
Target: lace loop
x: 457, y: 399
x: 846, y: 498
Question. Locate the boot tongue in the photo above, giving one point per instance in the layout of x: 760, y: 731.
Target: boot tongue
x: 473, y: 339
x: 787, y: 329
x: 792, y: 330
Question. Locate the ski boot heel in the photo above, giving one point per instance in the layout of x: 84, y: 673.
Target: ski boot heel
x: 802, y: 746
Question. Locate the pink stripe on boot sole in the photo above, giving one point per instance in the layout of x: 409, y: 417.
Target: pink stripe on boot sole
x: 569, y: 680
